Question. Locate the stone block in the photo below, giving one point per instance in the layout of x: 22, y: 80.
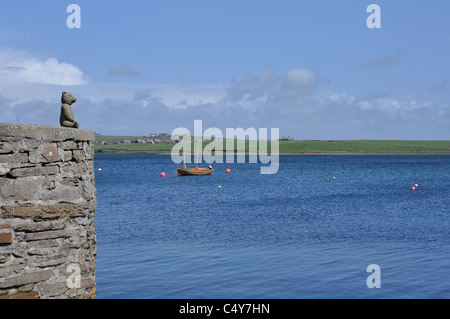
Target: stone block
x: 68, y: 145
x: 67, y: 156
x: 79, y: 155
x: 21, y: 295
x: 6, y: 147
x: 14, y: 158
x: 51, y: 234
x: 49, y: 243
x: 44, y: 133
x: 5, y: 168
x: 45, y: 153
x: 22, y: 189
x: 42, y: 212
x: 33, y: 171
x: 53, y: 289
x: 5, y: 238
x: 50, y: 153
x: 27, y: 278
x: 30, y: 226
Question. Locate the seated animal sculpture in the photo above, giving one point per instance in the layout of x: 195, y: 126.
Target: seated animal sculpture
x: 67, y: 118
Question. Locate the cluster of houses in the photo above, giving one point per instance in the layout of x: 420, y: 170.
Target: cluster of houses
x: 151, y: 139
x: 286, y: 138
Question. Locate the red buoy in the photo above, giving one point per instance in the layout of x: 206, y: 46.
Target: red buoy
x: 228, y: 171
x: 413, y: 188
x: 163, y: 174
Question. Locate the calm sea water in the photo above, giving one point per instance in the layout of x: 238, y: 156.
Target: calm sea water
x: 299, y: 233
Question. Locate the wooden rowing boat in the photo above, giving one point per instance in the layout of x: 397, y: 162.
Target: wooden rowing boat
x: 184, y: 171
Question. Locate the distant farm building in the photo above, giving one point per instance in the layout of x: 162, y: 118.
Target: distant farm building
x: 286, y: 138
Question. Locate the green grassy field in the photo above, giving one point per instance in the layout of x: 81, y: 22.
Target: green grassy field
x: 294, y: 147
x: 367, y: 147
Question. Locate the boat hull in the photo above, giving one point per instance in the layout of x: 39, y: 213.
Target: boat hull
x: 194, y: 171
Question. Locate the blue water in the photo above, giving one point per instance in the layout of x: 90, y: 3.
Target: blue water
x: 299, y: 233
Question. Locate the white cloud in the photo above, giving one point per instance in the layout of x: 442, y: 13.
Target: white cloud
x: 252, y: 88
x: 19, y: 67
x: 299, y: 83
x: 299, y: 78
x: 293, y: 102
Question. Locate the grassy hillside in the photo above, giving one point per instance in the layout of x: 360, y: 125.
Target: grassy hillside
x: 367, y: 146
x: 295, y: 147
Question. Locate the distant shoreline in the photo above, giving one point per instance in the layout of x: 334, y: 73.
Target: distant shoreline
x: 117, y: 145
x: 290, y: 154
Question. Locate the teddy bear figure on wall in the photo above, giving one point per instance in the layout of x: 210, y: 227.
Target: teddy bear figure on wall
x: 67, y: 118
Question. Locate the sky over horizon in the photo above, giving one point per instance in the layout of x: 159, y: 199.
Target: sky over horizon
x: 313, y: 69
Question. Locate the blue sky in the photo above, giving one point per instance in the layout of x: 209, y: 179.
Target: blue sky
x: 311, y: 68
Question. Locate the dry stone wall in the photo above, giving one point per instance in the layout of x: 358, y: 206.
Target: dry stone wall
x: 47, y: 208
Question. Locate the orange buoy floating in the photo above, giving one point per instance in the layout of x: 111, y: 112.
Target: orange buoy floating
x: 163, y: 174
x: 228, y: 171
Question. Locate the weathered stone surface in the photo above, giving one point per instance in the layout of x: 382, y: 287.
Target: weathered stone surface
x: 79, y: 155
x: 14, y: 158
x: 27, y: 278
x: 33, y: 171
x: 76, y: 168
x: 42, y: 212
x: 51, y: 234
x: 88, y: 150
x: 45, y: 133
x: 21, y: 295
x: 5, y: 168
x: 50, y: 153
x: 30, y: 226
x: 45, y: 153
x: 18, y: 190
x: 68, y: 145
x: 47, y: 208
x: 49, y: 243
x: 22, y: 145
x: 5, y: 238
x: 50, y: 185
x: 46, y: 188
x: 26, y: 288
x: 53, y: 289
x: 70, y: 181
x: 67, y: 156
